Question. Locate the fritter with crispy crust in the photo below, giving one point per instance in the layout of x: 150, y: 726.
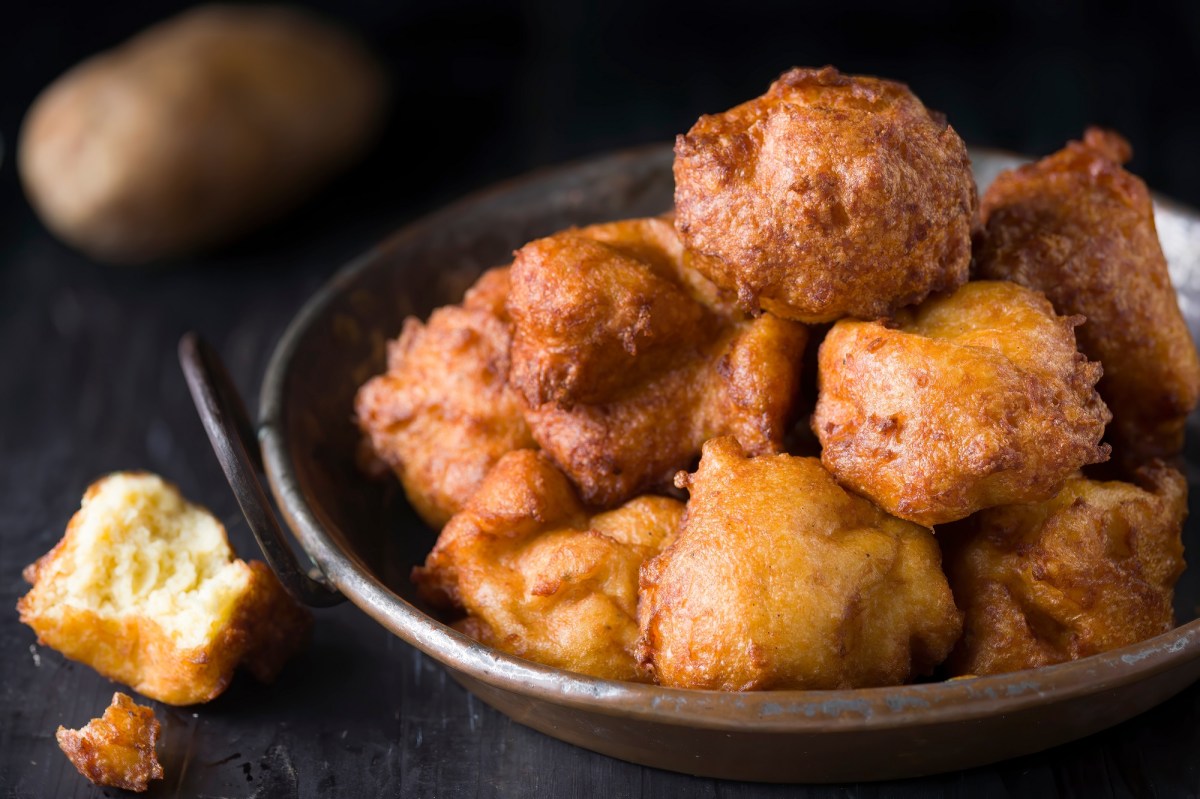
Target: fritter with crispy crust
x: 598, y: 307
x: 1089, y: 570
x: 117, y: 750
x: 831, y: 195
x: 628, y: 360
x: 145, y: 589
x: 973, y: 400
x: 1078, y: 227
x: 539, y: 576
x: 779, y: 579
x: 443, y: 414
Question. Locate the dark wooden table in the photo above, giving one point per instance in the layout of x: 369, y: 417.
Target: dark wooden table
x: 89, y: 384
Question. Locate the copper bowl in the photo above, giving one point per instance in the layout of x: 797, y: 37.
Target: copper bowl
x: 363, y: 539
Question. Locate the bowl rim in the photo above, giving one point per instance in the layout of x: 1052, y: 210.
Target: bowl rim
x: 787, y: 711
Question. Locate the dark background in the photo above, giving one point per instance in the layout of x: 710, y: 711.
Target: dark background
x: 488, y: 89
x: 485, y: 90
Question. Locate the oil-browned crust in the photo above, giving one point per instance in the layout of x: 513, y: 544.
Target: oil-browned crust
x: 831, y: 195
x: 628, y: 360
x: 539, y: 576
x: 599, y: 307
x: 1078, y: 227
x: 264, y: 630
x: 443, y: 413
x: 277, y: 627
x: 1090, y: 570
x: 781, y: 579
x: 117, y: 750
x: 974, y: 400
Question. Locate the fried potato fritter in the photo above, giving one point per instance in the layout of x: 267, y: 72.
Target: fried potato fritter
x: 973, y: 400
x: 443, y: 413
x: 1090, y: 570
x: 598, y: 307
x: 831, y: 195
x: 628, y: 361
x: 145, y: 589
x: 780, y: 579
x: 1080, y: 228
x: 117, y: 750
x: 542, y: 579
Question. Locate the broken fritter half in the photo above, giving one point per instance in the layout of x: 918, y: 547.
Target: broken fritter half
x: 145, y: 589
x: 781, y: 579
x: 117, y: 750
x: 627, y: 359
x: 542, y: 578
x: 1089, y: 570
x: 831, y: 195
x: 443, y: 413
x: 969, y: 401
x: 1080, y: 228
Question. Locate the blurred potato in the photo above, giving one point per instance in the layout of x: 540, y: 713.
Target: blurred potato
x: 198, y: 129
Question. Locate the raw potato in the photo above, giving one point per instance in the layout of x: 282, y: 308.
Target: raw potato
x: 196, y: 130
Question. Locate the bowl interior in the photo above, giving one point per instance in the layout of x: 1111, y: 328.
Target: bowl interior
x: 339, y: 340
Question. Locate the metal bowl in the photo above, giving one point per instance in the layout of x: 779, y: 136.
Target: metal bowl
x: 364, y: 540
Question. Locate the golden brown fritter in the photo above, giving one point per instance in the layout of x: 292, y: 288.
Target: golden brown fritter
x: 542, y: 579
x: 974, y: 400
x: 831, y: 195
x: 116, y: 751
x: 628, y: 361
x: 1078, y: 227
x: 443, y: 413
x: 1090, y: 570
x: 145, y: 589
x: 598, y: 307
x: 779, y: 579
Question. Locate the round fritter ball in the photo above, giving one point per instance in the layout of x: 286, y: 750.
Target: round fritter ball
x: 540, y: 577
x: 443, y: 412
x: 973, y: 400
x: 599, y: 307
x: 1078, y: 227
x: 831, y: 195
x: 628, y: 360
x: 1090, y: 570
x: 779, y: 579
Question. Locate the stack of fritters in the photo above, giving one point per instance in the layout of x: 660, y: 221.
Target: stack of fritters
x: 554, y: 417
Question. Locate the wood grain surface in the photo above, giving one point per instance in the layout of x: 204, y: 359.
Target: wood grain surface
x: 90, y: 384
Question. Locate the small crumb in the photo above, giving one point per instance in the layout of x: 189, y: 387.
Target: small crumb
x: 116, y: 750
x: 195, y: 715
x: 37, y: 659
